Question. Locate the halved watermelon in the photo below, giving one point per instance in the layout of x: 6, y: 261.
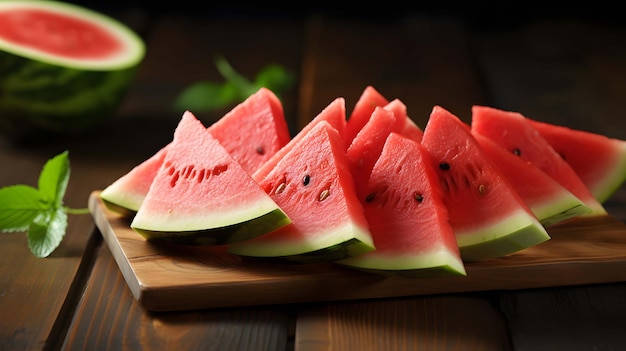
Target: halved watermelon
x: 252, y: 132
x: 63, y: 67
x: 599, y: 161
x: 202, y: 195
x: 407, y: 216
x: 512, y: 131
x: 545, y: 197
x: 334, y: 114
x: 489, y: 218
x: 312, y: 183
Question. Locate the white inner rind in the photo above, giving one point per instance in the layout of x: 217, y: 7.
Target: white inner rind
x: 132, y: 52
x: 176, y: 221
x: 602, y: 190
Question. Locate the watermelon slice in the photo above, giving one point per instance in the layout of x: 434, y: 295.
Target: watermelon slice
x: 407, y: 216
x: 513, y: 132
x: 367, y: 146
x: 126, y: 194
x: 599, y: 161
x: 312, y: 183
x: 201, y: 195
x: 489, y: 218
x: 252, y: 132
x: 406, y: 126
x: 63, y: 67
x: 370, y: 99
x: 334, y: 114
x: 546, y: 197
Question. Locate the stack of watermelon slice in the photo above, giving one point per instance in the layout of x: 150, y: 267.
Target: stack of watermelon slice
x: 370, y: 191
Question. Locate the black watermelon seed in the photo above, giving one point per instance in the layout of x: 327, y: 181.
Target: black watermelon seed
x: 444, y: 166
x: 306, y: 180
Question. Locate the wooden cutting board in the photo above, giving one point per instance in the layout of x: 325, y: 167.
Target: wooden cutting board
x: 164, y: 277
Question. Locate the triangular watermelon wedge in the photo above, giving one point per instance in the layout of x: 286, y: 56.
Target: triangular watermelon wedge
x: 407, y: 216
x: 312, y: 183
x: 599, y: 161
x: 513, y: 132
x: 405, y: 125
x: 334, y: 114
x: 370, y: 99
x: 546, y: 197
x: 368, y: 144
x: 489, y: 218
x: 201, y: 195
x: 252, y: 132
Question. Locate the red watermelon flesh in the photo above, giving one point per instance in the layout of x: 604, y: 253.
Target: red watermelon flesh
x: 202, y: 195
x: 406, y: 126
x: 126, y: 193
x: 407, y: 215
x: 252, y: 132
x: 370, y: 99
x: 312, y: 183
x: 58, y: 34
x: 514, y: 133
x: 368, y: 144
x: 599, y: 161
x: 334, y: 114
x: 546, y: 197
x: 489, y: 218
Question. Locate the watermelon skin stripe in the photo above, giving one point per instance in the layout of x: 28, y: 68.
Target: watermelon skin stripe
x: 41, y: 96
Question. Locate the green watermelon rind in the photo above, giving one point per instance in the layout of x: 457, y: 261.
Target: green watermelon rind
x: 341, y: 242
x: 224, y: 235
x: 551, y: 213
x: 516, y: 232
x: 614, y: 178
x: 130, y: 56
x: 440, y: 262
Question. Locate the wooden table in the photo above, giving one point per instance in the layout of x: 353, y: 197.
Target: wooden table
x: 569, y: 70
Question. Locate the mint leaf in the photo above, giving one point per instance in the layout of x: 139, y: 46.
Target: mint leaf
x: 207, y: 96
x: 39, y: 212
x: 54, y: 178
x: 47, y: 231
x: 19, y: 206
x: 211, y: 96
x: 275, y: 78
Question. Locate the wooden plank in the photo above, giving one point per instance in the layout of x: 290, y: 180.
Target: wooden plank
x: 121, y: 323
x: 455, y: 322
x: 170, y: 277
x: 575, y: 318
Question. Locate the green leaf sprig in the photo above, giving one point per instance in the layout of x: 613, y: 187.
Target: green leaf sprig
x: 209, y: 96
x: 39, y: 211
